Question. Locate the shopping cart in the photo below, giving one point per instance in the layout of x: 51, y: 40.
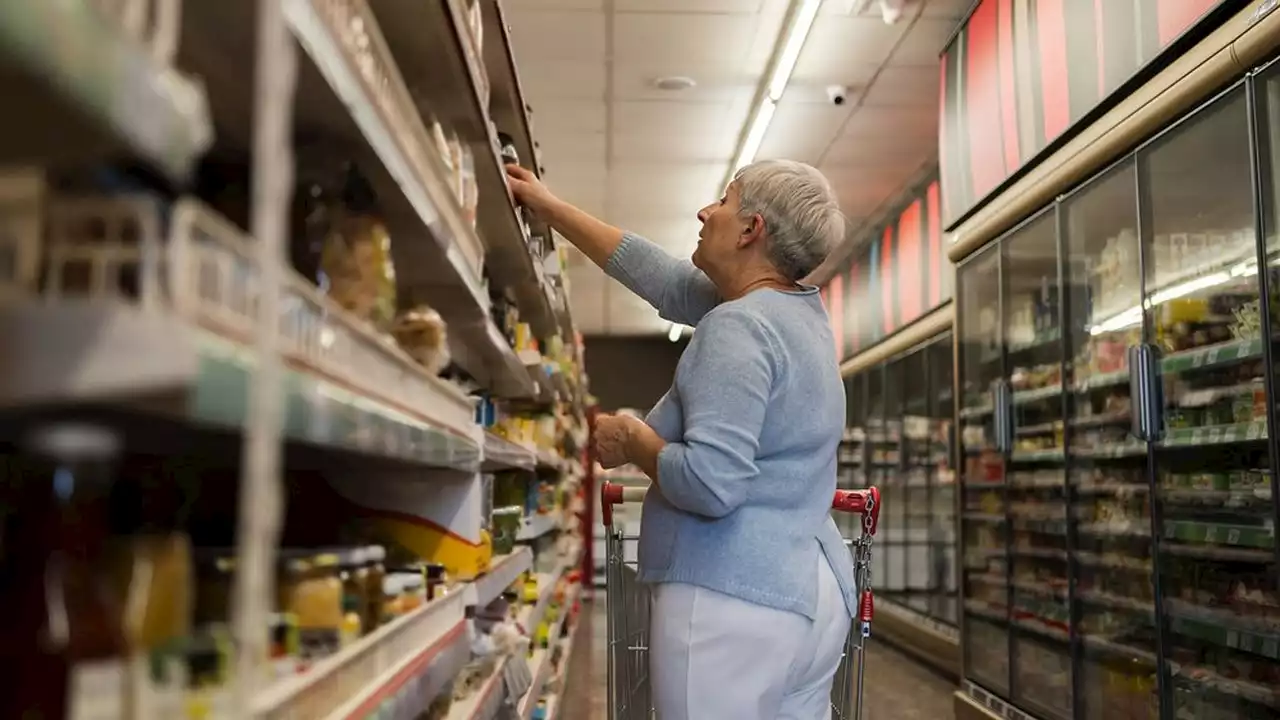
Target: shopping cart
x: 628, y: 608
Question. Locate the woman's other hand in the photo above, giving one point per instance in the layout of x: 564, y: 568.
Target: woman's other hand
x: 527, y: 188
x: 613, y: 439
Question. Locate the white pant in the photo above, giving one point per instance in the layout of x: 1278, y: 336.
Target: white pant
x: 715, y: 657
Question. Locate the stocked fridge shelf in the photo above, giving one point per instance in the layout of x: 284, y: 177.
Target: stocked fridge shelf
x: 1113, y: 360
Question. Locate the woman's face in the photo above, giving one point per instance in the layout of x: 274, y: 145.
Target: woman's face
x: 722, y: 234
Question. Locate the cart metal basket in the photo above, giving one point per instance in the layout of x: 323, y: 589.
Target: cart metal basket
x: 628, y: 610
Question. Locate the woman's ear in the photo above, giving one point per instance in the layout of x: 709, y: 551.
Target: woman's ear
x: 752, y: 230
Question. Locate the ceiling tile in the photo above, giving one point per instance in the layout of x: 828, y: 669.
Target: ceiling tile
x: 546, y: 83
x: 557, y: 35
x: 854, y: 78
x: 839, y: 43
x: 912, y: 86
x: 700, y: 40
x: 664, y: 188
x: 572, y: 147
x: 950, y: 9
x: 716, y: 148
x: 561, y: 174
x: 527, y: 5
x: 677, y: 235
x: 572, y: 116
x: 924, y: 43
x: 886, y: 124
x: 715, y: 82
x: 687, y: 6
x: 668, y: 118
x: 802, y: 131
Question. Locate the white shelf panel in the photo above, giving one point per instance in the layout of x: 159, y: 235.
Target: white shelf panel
x: 534, y: 527
x: 485, y: 702
x: 502, y: 454
x: 440, y: 65
x: 346, y: 45
x: 570, y: 640
x: 87, y: 90
x: 189, y: 327
x: 541, y: 660
x: 502, y: 572
x: 353, y: 683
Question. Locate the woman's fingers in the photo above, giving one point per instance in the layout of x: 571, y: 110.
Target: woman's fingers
x: 519, y: 173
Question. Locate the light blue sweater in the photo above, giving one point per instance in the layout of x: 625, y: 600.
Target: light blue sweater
x: 753, y: 424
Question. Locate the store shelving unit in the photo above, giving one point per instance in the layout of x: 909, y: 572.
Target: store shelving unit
x: 140, y: 296
x: 899, y: 438
x: 1118, y: 429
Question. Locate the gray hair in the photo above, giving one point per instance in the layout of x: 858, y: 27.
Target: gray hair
x: 802, y: 217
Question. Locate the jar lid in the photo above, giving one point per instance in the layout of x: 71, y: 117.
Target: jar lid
x: 392, y: 585
x: 325, y: 560
x: 352, y: 557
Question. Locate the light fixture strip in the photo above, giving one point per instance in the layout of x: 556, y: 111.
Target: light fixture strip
x: 797, y: 34
x: 755, y: 135
x: 781, y: 66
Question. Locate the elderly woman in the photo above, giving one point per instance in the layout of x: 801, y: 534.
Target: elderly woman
x: 753, y: 588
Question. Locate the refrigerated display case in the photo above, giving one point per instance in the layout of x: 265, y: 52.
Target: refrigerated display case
x: 900, y: 430
x: 1117, y: 430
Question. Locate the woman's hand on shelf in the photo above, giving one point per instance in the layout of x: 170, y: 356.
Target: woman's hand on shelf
x: 528, y: 189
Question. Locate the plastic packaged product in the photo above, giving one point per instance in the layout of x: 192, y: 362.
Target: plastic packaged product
x: 421, y: 333
x: 507, y: 149
x: 470, y: 199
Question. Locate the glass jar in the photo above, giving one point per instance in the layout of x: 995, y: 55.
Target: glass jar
x: 315, y: 601
x: 375, y: 573
x: 63, y: 642
x: 354, y: 573
x: 392, y: 598
x: 435, y: 582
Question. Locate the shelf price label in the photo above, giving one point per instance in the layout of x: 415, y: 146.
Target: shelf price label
x: 1256, y: 430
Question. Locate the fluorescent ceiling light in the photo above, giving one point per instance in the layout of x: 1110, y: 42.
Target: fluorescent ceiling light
x: 755, y: 136
x: 779, y: 74
x: 796, y: 36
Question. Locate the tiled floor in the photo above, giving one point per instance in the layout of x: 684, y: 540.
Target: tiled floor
x: 897, y: 687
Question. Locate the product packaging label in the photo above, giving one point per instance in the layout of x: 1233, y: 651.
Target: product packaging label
x: 96, y: 691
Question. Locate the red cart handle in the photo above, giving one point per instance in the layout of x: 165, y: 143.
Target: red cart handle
x: 862, y: 502
x: 615, y: 494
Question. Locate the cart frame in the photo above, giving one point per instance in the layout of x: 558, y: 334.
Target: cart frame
x: 627, y: 601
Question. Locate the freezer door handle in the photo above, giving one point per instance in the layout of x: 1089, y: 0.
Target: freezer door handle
x: 1146, y: 392
x: 1002, y: 415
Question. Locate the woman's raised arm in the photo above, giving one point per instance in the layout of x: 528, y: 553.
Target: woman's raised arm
x: 680, y: 292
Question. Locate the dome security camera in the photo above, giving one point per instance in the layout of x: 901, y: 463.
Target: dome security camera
x: 837, y: 94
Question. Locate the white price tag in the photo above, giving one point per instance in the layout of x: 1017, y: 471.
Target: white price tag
x: 95, y: 691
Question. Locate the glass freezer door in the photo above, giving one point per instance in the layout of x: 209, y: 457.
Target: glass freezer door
x: 1216, y: 550
x: 983, y: 521
x: 1114, y: 598
x: 1035, y: 480
x: 942, y: 483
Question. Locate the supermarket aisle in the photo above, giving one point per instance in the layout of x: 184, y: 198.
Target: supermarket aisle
x: 897, y: 687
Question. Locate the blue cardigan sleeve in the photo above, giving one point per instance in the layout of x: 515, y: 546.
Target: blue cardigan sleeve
x: 679, y: 291
x: 724, y: 382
